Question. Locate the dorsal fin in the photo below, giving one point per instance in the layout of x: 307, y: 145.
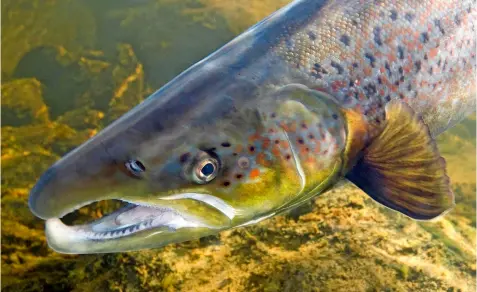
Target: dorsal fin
x: 402, y: 168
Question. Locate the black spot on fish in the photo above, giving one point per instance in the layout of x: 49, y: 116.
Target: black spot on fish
x: 409, y: 87
x: 388, y: 98
x: 377, y: 36
x: 400, y: 70
x: 318, y: 68
x: 351, y: 83
x: 400, y: 52
x: 430, y: 71
x: 409, y: 16
x: 394, y: 15
x: 311, y: 35
x: 437, y: 22
x: 380, y: 81
x: 287, y: 157
x: 225, y: 144
x: 355, y: 65
x: 345, y: 39
x: 300, y: 141
x: 251, y: 148
x: 388, y: 68
x: 238, y: 176
x: 425, y: 57
x: 417, y: 64
x: 424, y: 38
x: 338, y: 67
x: 371, y: 59
x: 226, y: 183
x: 335, y: 116
x: 184, y: 157
x: 370, y: 89
x: 396, y: 82
x: 273, y: 115
x: 311, y: 137
x: 439, y: 63
x: 457, y: 19
x: 354, y: 22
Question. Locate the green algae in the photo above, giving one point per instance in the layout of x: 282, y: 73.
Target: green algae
x: 65, y: 78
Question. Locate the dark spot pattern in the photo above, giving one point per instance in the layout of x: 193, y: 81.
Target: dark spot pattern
x: 345, y: 39
x: 457, y: 19
x: 338, y: 67
x: 417, y: 64
x: 437, y: 23
x: 184, y: 157
x: 311, y: 35
x: 394, y: 15
x: 409, y: 16
x: 377, y: 36
x: 371, y: 59
x: 226, y: 144
x: 400, y: 52
x: 424, y: 38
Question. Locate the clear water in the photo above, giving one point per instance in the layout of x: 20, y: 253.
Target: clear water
x: 70, y: 67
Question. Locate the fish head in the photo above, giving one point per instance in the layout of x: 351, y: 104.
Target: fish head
x: 193, y: 170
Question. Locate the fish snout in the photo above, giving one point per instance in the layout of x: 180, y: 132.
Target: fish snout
x: 76, y: 180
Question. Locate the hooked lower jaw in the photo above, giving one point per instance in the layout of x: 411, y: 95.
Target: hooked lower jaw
x: 134, y: 227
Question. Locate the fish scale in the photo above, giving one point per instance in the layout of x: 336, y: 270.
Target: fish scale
x: 366, y: 53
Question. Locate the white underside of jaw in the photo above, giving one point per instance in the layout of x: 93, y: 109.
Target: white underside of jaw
x: 122, y: 225
x: 135, y: 218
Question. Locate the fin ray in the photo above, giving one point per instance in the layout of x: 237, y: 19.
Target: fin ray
x: 402, y: 168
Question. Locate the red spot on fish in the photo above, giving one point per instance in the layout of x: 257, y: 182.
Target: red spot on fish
x: 392, y: 57
x: 367, y: 71
x: 261, y: 159
x: 265, y: 143
x: 254, y: 173
x: 254, y: 137
x: 433, y: 52
x: 284, y: 144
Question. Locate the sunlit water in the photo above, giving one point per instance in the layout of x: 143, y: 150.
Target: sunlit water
x: 71, y: 67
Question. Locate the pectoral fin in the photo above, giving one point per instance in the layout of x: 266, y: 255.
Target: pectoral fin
x: 402, y: 168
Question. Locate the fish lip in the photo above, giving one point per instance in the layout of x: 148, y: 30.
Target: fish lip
x: 135, y: 219
x: 123, y: 223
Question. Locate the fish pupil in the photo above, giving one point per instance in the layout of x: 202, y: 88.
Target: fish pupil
x: 207, y: 169
x: 137, y: 166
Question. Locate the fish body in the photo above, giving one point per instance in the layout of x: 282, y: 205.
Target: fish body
x: 314, y: 93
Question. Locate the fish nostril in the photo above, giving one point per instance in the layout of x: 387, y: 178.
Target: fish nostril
x: 35, y: 200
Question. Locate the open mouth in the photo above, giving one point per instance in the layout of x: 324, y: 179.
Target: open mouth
x: 128, y: 220
x: 121, y: 230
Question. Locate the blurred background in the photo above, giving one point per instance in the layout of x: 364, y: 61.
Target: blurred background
x: 70, y: 67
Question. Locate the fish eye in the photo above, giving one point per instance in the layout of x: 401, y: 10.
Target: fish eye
x: 135, y: 167
x: 205, y: 170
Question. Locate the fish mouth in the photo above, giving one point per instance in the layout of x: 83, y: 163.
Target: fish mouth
x: 138, y: 226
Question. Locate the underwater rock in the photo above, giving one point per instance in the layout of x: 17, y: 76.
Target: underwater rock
x: 30, y: 24
x: 22, y: 103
